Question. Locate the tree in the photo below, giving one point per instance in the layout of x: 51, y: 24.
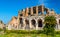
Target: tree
x: 50, y: 23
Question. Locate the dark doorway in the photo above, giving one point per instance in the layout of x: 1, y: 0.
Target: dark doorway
x: 59, y: 21
x: 21, y: 22
x: 39, y: 23
x: 27, y: 21
x: 33, y: 22
x: 34, y: 10
x: 27, y: 24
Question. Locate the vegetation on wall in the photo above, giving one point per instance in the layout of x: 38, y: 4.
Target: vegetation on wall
x: 50, y: 23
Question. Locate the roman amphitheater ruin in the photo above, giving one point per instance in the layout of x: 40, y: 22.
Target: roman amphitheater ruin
x: 32, y: 18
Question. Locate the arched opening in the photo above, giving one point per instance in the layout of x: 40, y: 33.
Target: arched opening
x: 59, y: 21
x: 27, y: 24
x: 21, y: 22
x: 39, y: 23
x: 34, y: 10
x: 29, y: 11
x: 46, y: 11
x: 33, y: 22
x: 39, y: 10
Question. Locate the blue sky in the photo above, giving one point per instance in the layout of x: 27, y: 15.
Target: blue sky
x: 9, y: 8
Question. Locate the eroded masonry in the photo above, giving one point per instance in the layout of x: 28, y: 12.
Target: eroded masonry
x: 32, y: 18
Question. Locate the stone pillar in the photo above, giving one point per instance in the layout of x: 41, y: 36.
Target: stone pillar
x: 31, y: 10
x: 58, y: 24
x: 42, y: 10
x: 36, y: 25
x: 30, y: 23
x: 24, y: 24
x: 36, y: 10
x: 23, y: 12
x: 27, y: 10
x: 18, y: 20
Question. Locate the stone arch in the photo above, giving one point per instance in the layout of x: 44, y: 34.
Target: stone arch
x: 34, y: 10
x: 21, y: 21
x: 40, y: 23
x: 39, y: 10
x: 33, y: 22
x: 59, y: 21
x: 27, y: 21
x: 46, y: 11
x: 27, y: 24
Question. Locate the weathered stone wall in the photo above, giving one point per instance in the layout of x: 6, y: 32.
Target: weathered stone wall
x: 30, y: 18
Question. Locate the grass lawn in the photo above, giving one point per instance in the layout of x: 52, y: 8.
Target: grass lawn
x: 26, y: 35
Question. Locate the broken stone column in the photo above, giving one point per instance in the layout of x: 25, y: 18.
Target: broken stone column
x: 18, y: 22
x: 36, y: 10
x: 19, y: 12
x: 31, y: 10
x: 27, y: 10
x: 18, y: 19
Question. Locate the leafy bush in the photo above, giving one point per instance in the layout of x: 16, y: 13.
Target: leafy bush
x: 50, y: 23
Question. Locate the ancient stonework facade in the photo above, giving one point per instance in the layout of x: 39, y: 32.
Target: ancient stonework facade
x: 32, y: 18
